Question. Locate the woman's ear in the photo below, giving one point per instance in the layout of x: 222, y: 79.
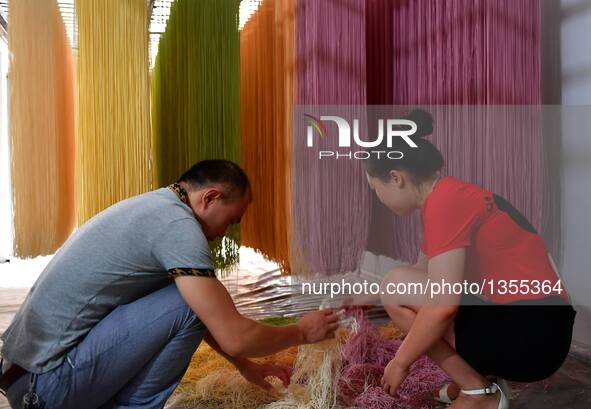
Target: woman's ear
x: 396, y: 178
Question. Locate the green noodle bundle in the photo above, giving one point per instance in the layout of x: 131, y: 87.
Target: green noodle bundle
x: 196, y: 97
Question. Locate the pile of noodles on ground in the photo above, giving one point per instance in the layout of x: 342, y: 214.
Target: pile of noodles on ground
x: 343, y: 372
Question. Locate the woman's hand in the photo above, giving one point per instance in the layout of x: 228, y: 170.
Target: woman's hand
x: 256, y: 373
x: 394, y: 374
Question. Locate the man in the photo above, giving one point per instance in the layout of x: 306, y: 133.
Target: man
x: 113, y: 320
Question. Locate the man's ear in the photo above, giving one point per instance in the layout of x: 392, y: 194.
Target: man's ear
x: 210, y: 195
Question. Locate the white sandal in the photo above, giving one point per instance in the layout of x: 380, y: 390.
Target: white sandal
x: 490, y: 390
x: 443, y: 396
x: 504, y: 385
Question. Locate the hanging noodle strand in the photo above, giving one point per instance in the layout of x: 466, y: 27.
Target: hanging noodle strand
x: 113, y: 147
x: 41, y: 127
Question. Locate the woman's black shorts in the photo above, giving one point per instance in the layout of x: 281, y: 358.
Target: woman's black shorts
x: 518, y: 341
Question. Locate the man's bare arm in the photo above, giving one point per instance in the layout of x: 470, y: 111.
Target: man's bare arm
x: 239, y: 336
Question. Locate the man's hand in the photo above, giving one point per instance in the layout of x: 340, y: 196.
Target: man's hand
x: 238, y: 336
x: 256, y: 373
x: 394, y: 375
x: 318, y: 325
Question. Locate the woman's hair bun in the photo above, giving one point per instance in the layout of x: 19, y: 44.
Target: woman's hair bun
x: 424, y: 122
x: 422, y: 163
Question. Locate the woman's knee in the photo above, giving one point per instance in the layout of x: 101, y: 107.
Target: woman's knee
x: 401, y: 286
x: 402, y: 317
x: 389, y: 281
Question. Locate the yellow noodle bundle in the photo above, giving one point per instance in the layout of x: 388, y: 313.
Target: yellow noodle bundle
x: 211, y: 382
x: 389, y: 331
x: 113, y: 149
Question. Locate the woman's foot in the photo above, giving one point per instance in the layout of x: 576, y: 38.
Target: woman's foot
x: 489, y: 397
x: 452, y: 392
x: 476, y: 401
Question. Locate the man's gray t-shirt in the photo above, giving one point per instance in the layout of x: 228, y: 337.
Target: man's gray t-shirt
x: 120, y: 255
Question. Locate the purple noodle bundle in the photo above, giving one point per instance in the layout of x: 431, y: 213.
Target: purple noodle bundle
x: 365, y: 356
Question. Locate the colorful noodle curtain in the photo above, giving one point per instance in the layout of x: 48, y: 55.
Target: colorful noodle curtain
x: 330, y: 198
x: 41, y: 115
x: 113, y: 143
x: 266, y: 99
x: 196, y: 96
x: 463, y: 52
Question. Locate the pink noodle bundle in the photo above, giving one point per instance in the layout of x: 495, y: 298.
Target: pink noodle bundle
x: 361, y: 347
x: 355, y: 378
x: 364, y: 357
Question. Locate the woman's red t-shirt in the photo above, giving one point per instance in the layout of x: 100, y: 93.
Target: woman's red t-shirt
x: 500, y: 243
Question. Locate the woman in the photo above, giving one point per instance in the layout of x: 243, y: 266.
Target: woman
x: 470, y: 234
